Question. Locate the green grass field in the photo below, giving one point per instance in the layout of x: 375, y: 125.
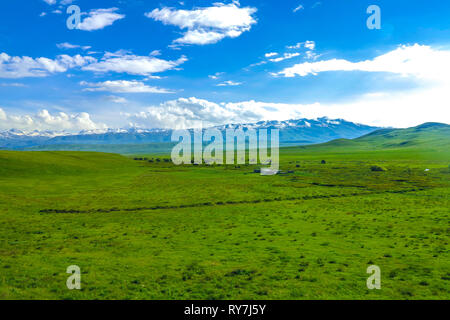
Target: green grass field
x: 141, y: 230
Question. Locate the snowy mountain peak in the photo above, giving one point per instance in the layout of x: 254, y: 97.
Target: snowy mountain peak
x: 294, y: 131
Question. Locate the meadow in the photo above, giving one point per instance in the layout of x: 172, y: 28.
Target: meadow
x: 152, y: 230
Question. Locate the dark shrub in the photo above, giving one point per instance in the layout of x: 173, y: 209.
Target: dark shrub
x: 323, y: 162
x: 377, y: 168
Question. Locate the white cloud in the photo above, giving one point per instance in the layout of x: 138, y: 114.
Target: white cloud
x: 201, y: 37
x: 99, y: 19
x: 192, y: 112
x: 308, y: 44
x: 216, y: 75
x: 207, y: 25
x: 229, y: 83
x: 62, y: 2
x: 120, y: 62
x: 67, y: 45
x: 57, y: 11
x: 43, y: 14
x: 43, y: 120
x: 311, y: 45
x: 285, y: 57
x: 123, y: 62
x: 300, y: 7
x: 117, y: 99
x: 122, y: 86
x: 270, y: 54
x: 13, y: 84
x: 427, y: 67
x: 418, y: 61
x: 311, y: 55
x: 20, y: 67
x: 403, y: 109
x: 296, y: 46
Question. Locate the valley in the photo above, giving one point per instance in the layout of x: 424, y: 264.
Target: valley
x: 152, y: 230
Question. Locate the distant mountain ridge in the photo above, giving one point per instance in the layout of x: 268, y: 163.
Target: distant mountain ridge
x: 292, y: 132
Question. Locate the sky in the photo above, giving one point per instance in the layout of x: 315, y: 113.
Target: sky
x: 182, y: 64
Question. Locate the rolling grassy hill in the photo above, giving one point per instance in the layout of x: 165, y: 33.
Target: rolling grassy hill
x: 141, y: 230
x: 427, y: 141
x: 429, y: 135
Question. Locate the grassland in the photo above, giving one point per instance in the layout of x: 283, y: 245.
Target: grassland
x: 141, y: 230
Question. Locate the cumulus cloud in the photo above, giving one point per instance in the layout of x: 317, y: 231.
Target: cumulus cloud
x: 123, y: 62
x: 207, y: 25
x: 20, y: 67
x: 50, y: 2
x: 100, y: 18
x: 120, y: 62
x: 401, y: 108
x: 122, y: 86
x: 192, y: 112
x: 418, y: 61
x: 377, y: 109
x: 43, y: 121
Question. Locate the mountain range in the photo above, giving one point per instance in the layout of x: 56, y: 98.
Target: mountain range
x: 292, y: 132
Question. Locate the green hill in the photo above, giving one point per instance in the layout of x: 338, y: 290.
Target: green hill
x: 429, y: 140
x: 17, y: 164
x: 430, y: 135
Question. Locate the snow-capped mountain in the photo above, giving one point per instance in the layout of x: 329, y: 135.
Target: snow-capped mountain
x: 309, y: 131
x: 292, y: 132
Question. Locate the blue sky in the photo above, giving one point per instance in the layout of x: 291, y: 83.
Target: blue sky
x: 190, y: 63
